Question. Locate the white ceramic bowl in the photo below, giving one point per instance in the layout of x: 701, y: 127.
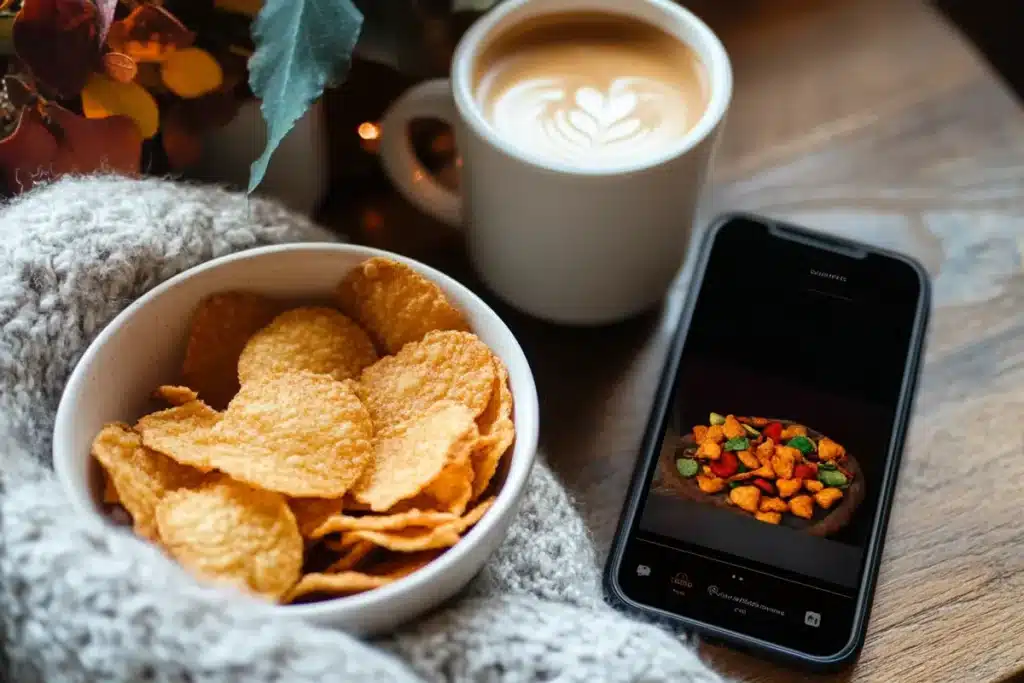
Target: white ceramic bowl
x: 143, y: 347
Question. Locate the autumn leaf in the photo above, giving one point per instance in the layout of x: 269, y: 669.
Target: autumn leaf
x: 149, y: 34
x: 26, y: 154
x: 182, y: 145
x: 88, y: 145
x: 301, y: 45
x: 51, y: 141
x: 103, y: 97
x: 58, y: 41
x: 191, y: 72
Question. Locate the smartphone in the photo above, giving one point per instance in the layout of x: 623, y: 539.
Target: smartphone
x: 758, y: 508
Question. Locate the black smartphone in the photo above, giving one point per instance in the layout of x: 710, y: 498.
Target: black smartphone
x: 759, y: 505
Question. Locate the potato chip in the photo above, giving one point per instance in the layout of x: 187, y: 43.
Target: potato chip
x: 497, y: 431
x: 310, y: 513
x: 347, y: 582
x: 396, y: 304
x: 445, y: 365
x: 220, y: 327
x: 175, y: 395
x: 301, y: 434
x: 179, y: 432
x: 139, y: 476
x: 340, y: 583
x: 319, y: 340
x: 415, y: 539
x: 110, y: 496
x: 409, y: 457
x: 453, y: 488
x: 401, y: 520
x: 351, y: 557
x: 233, y: 533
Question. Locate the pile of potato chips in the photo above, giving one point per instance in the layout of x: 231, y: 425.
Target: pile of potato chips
x: 294, y: 462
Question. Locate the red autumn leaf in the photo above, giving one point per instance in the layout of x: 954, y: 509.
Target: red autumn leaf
x: 44, y: 147
x: 58, y: 41
x: 87, y: 145
x: 106, y: 17
x: 148, y: 34
x: 181, y: 143
x: 26, y: 154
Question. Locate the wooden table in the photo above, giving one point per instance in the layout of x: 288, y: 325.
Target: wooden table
x: 873, y: 119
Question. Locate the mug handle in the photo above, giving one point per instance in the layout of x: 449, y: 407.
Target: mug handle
x: 428, y: 100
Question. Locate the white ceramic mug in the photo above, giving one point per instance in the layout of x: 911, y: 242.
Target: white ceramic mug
x: 563, y: 244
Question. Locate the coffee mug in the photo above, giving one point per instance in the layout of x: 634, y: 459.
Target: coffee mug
x: 582, y: 213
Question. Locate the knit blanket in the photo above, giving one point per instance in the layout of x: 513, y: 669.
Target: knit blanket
x: 84, y: 604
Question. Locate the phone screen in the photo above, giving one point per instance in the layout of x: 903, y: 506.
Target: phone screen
x: 793, y: 369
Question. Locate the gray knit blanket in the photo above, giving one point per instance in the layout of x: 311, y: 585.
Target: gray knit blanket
x: 81, y: 604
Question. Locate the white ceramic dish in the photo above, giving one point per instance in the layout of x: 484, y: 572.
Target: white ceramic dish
x: 143, y: 347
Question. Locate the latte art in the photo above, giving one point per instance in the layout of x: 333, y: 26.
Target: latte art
x: 588, y: 126
x: 589, y: 90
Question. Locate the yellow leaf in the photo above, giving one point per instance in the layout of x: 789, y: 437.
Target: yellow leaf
x: 103, y: 97
x: 192, y: 72
x: 247, y: 7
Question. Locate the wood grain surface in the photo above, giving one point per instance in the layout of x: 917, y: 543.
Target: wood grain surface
x: 873, y: 119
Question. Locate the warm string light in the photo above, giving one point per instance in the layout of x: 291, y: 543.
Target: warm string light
x: 369, y: 136
x: 368, y: 130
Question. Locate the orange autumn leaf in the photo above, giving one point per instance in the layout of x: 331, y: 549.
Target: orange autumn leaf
x: 191, y: 72
x: 149, y: 34
x: 58, y: 41
x: 51, y: 141
x: 103, y: 97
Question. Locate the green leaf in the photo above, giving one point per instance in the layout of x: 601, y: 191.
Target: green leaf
x: 301, y: 45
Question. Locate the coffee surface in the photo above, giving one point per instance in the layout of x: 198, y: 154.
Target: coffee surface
x: 595, y: 91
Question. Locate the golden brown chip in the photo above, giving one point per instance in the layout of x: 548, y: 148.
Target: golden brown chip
x: 407, y: 458
x: 396, y: 304
x: 445, y: 365
x: 315, y: 339
x: 497, y: 431
x: 401, y: 520
x: 181, y: 433
x: 413, y: 540
x: 175, y: 395
x: 341, y: 583
x: 352, y: 556
x: 110, y: 496
x: 140, y: 477
x: 233, y: 533
x: 301, y: 434
x: 220, y: 327
x: 452, y: 490
x: 310, y: 513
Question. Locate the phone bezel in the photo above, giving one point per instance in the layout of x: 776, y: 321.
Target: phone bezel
x: 654, y: 431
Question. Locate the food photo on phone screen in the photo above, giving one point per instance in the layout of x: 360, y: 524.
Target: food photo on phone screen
x: 778, y: 428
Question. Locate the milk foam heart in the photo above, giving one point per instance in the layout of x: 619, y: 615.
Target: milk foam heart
x: 595, y: 92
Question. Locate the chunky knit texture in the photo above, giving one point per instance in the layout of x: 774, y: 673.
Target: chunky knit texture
x: 80, y: 604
